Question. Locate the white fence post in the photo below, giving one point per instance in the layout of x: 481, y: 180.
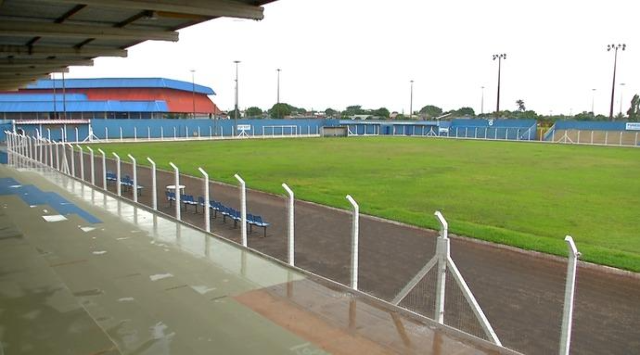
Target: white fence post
x: 134, y: 167
x: 81, y: 162
x: 569, y: 292
x: 148, y: 133
x: 120, y: 134
x: 77, y: 135
x: 290, y: 226
x: 93, y: 169
x: 106, y: 134
x: 104, y: 169
x: 154, y: 196
x: 73, y: 162
x: 48, y: 134
x: 243, y: 208
x: 177, y: 189
x: 354, y: 242
x: 57, y: 156
x: 206, y: 207
x: 442, y: 250
x: 118, y: 175
x: 161, y: 133
x: 135, y: 133
x: 174, y: 133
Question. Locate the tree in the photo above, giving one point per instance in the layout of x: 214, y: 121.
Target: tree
x: 431, y: 111
x: 521, y: 106
x: 634, y: 110
x: 280, y: 110
x: 382, y: 112
x: 465, y: 111
x: 232, y: 113
x: 330, y: 112
x: 254, y: 111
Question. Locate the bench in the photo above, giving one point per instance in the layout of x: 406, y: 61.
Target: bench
x: 111, y: 176
x: 258, y: 222
x: 127, y: 183
x: 171, y: 196
x: 189, y: 200
x: 231, y: 213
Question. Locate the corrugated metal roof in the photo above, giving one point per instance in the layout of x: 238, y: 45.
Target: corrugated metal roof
x: 101, y: 83
x: 86, y: 106
x: 41, y: 97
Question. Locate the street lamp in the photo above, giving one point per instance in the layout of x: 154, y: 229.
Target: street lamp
x: 278, y: 97
x: 621, y: 96
x: 499, y: 57
x: 193, y: 91
x: 615, y: 47
x: 235, y: 123
x: 593, y: 101
x: 411, y: 102
x: 482, y: 101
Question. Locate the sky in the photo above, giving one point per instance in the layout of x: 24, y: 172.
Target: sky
x: 336, y: 53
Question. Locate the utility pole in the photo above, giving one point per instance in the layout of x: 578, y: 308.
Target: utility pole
x: 235, y: 123
x: 411, y: 102
x: 278, y: 92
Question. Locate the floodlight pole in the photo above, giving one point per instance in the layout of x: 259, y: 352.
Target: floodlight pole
x: 154, y: 196
x: 499, y: 57
x: 93, y: 170
x: 290, y: 225
x: 354, y: 242
x: 177, y: 189
x: 569, y: 293
x: 134, y: 166
x: 615, y: 48
x: 207, y: 222
x: 104, y: 170
x: 243, y: 208
x: 118, y: 172
x: 81, y: 162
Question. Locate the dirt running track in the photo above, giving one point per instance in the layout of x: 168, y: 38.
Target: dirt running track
x: 521, y: 294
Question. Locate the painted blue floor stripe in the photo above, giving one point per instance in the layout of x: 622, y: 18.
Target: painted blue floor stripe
x: 33, y: 196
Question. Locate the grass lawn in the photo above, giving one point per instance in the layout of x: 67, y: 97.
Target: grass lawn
x: 525, y: 195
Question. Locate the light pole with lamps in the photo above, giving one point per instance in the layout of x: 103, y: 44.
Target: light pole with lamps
x: 235, y: 123
x: 614, y: 47
x: 278, y: 92
x: 411, y: 102
x: 193, y: 91
x: 499, y: 57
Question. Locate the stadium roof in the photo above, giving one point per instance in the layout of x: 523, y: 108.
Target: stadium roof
x: 39, y: 37
x: 122, y: 83
x: 86, y: 106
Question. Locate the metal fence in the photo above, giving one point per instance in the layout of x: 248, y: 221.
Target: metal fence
x: 438, y: 290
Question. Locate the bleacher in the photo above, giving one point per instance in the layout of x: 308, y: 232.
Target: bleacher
x: 501, y: 129
x: 586, y: 132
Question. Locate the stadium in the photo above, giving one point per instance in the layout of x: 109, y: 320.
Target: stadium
x: 136, y: 220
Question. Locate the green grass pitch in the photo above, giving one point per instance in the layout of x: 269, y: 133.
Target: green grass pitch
x: 520, y: 194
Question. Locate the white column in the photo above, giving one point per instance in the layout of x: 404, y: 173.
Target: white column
x: 81, y: 162
x: 207, y: 222
x: 290, y: 226
x: 154, y: 196
x: 243, y: 208
x: 104, y: 169
x: 177, y: 189
x: 93, y: 170
x: 134, y: 167
x: 57, y: 156
x: 118, y: 175
x: 106, y: 134
x: 442, y: 250
x: 569, y: 293
x: 148, y: 133
x: 161, y: 133
x: 354, y: 242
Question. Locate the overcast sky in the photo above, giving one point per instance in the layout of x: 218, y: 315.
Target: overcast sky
x: 335, y: 53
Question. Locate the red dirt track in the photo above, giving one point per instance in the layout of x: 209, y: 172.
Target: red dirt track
x: 520, y: 293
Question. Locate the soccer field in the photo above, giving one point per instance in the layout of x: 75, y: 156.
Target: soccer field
x: 520, y: 194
